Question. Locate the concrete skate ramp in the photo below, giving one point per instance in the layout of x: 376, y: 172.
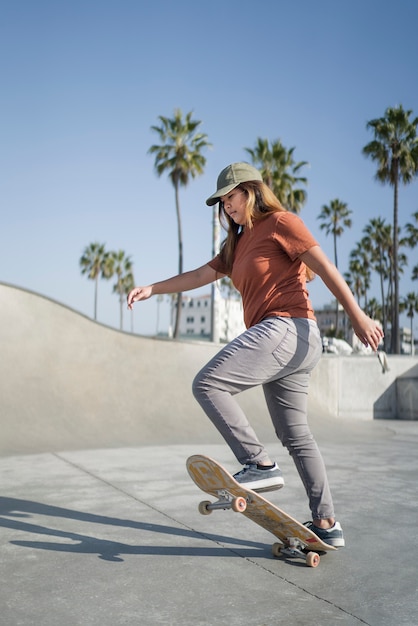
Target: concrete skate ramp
x: 67, y: 382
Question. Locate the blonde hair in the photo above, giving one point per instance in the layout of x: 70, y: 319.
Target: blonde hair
x: 261, y: 201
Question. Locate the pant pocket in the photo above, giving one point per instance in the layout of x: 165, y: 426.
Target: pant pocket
x: 284, y: 352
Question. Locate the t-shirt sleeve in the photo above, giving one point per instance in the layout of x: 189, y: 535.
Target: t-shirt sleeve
x: 217, y: 265
x: 292, y: 235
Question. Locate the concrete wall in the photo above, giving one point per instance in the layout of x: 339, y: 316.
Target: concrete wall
x: 356, y: 387
x: 68, y: 382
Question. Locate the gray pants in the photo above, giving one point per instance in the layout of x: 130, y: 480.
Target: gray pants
x: 279, y: 353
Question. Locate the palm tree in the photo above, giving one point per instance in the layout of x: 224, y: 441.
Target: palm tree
x: 179, y: 154
x: 411, y: 240
x: 395, y: 150
x: 264, y: 159
x: 379, y: 241
x: 127, y: 283
x: 335, y: 218
x: 374, y: 309
x: 93, y: 262
x: 121, y: 266
x: 412, y: 232
x: 359, y: 271
x: 280, y: 172
x: 410, y: 305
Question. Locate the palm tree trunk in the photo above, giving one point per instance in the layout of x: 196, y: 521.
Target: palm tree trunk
x: 336, y: 301
x: 412, y: 334
x: 96, y: 286
x: 382, y: 295
x: 180, y: 240
x: 121, y: 302
x: 395, y: 342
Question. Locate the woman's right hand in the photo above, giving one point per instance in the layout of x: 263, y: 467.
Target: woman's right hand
x: 137, y: 294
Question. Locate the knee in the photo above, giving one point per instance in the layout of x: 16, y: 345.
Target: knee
x: 198, y: 386
x: 299, y: 442
x: 203, y: 385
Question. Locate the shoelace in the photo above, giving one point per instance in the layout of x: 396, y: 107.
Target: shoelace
x: 246, y: 468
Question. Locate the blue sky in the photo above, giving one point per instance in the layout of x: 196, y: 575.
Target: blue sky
x: 84, y: 81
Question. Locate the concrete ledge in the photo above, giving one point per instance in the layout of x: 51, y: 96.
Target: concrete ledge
x: 407, y: 395
x: 355, y: 387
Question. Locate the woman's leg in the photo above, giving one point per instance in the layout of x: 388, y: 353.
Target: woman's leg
x: 248, y: 361
x: 278, y: 353
x: 244, y: 363
x: 287, y: 402
x: 275, y: 347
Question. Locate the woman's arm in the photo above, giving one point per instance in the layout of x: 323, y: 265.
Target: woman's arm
x: 366, y: 329
x: 182, y: 282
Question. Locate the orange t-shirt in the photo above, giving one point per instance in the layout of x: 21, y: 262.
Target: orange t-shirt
x: 267, y: 271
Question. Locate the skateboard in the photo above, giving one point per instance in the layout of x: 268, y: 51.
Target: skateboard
x: 296, y: 540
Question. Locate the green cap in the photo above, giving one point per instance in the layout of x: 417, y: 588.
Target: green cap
x: 231, y: 177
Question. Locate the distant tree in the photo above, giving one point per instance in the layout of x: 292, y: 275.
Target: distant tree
x: 363, y: 254
x: 411, y: 238
x: 410, y: 305
x: 358, y: 276
x: 335, y: 217
x: 379, y: 241
x: 127, y: 284
x: 94, y: 263
x: 120, y: 266
x: 395, y: 150
x: 180, y: 155
x: 280, y: 172
x: 374, y: 309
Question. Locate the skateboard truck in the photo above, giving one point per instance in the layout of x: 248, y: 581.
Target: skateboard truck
x: 294, y: 548
x: 225, y: 501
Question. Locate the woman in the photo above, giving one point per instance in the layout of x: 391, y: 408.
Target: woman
x: 269, y: 255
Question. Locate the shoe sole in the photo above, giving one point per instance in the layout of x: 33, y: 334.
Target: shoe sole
x: 264, y: 489
x: 336, y: 543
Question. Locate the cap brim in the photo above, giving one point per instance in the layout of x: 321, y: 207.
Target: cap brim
x: 214, y: 198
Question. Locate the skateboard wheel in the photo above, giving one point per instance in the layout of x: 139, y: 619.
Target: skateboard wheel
x: 312, y: 559
x: 203, y: 507
x: 276, y: 549
x: 239, y: 505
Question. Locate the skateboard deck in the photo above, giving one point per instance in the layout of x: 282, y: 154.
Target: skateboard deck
x: 296, y: 540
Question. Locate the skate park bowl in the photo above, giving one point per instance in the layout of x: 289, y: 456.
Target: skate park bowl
x: 67, y: 382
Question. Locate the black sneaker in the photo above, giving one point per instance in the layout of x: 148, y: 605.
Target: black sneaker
x: 252, y: 477
x: 332, y: 536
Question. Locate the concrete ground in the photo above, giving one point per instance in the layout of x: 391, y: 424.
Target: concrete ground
x: 113, y: 536
x: 99, y: 520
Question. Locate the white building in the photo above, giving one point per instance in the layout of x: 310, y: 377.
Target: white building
x: 196, y: 317
x: 326, y: 317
